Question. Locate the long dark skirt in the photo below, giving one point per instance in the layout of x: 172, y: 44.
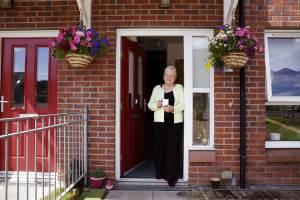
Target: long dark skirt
x: 167, y: 151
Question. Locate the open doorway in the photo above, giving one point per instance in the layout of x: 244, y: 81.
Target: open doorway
x: 143, y: 60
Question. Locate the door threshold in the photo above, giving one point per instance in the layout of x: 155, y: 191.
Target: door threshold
x: 150, y: 185
x: 147, y: 181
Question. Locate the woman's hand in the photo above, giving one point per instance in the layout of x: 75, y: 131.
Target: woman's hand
x: 159, y: 103
x: 168, y: 108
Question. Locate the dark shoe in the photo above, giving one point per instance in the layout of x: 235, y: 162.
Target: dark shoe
x: 171, y: 183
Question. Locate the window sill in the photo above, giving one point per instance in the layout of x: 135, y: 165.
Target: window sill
x: 282, y: 144
x: 196, y: 156
x: 283, y: 155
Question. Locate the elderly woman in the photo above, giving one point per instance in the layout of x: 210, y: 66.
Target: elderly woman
x: 167, y: 102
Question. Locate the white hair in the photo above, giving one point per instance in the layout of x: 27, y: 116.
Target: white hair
x: 171, y: 68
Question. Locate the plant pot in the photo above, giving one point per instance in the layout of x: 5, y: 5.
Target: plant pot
x: 109, y: 185
x: 79, y: 60
x: 275, y: 136
x: 97, y: 182
x: 215, y: 182
x: 235, y: 60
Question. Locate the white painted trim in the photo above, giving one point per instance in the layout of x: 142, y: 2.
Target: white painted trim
x: 280, y: 34
x: 282, y: 103
x: 202, y: 148
x: 86, y: 7
x: 118, y: 108
x: 229, y: 7
x: 279, y: 100
x: 201, y: 90
x: 187, y: 35
x: 164, y: 32
x: 28, y: 33
x: 188, y: 83
x: 282, y: 144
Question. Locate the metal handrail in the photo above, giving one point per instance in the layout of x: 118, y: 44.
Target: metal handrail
x: 65, y: 134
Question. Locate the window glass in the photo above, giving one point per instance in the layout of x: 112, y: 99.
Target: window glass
x: 131, y: 79
x: 18, y: 77
x: 200, y: 119
x: 284, y: 66
x: 42, y: 76
x: 283, y: 122
x: 200, y: 54
x: 140, y: 81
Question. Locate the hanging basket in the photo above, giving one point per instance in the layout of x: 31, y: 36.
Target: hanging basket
x: 79, y: 60
x: 235, y: 60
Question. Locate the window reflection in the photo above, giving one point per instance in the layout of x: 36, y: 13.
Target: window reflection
x: 18, y: 77
x: 42, y: 76
x: 284, y: 66
x: 140, y: 82
x: 200, y: 119
x: 200, y: 54
x: 283, y: 122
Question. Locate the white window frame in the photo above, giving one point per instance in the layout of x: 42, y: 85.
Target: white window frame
x: 279, y: 100
x: 278, y: 34
x: 187, y: 35
x: 189, y: 104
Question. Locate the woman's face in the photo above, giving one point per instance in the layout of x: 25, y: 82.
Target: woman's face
x: 169, y: 77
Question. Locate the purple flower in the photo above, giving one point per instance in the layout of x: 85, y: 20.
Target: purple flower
x: 105, y: 41
x: 79, y: 40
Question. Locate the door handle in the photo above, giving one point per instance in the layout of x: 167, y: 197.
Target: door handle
x: 2, y: 102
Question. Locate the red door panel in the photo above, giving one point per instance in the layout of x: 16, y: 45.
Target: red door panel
x: 132, y: 113
x: 29, y: 84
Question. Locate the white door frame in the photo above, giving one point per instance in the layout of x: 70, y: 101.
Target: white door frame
x: 187, y: 35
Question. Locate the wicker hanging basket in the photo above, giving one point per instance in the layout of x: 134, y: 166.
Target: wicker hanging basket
x: 235, y: 60
x: 79, y: 60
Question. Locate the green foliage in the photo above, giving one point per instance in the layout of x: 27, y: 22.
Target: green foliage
x: 98, y: 173
x: 230, y: 39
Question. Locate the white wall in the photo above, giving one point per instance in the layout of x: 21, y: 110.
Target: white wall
x: 175, y: 52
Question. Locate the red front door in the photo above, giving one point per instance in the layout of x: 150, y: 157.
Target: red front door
x: 132, y: 105
x: 29, y: 85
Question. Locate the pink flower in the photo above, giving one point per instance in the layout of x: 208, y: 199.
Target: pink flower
x: 90, y: 44
x: 74, y: 30
x: 83, y: 43
x: 80, y: 33
x: 77, y: 39
x: 73, y: 46
x: 51, y: 44
x: 60, y: 37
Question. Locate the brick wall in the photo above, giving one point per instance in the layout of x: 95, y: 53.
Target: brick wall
x: 270, y: 14
x: 95, y: 86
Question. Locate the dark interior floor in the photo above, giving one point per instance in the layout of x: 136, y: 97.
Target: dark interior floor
x: 145, y: 170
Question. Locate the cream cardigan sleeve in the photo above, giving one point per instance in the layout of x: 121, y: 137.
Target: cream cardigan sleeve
x: 153, y: 99
x: 179, y: 106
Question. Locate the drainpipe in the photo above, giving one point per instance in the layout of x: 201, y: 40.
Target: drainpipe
x: 242, y: 107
